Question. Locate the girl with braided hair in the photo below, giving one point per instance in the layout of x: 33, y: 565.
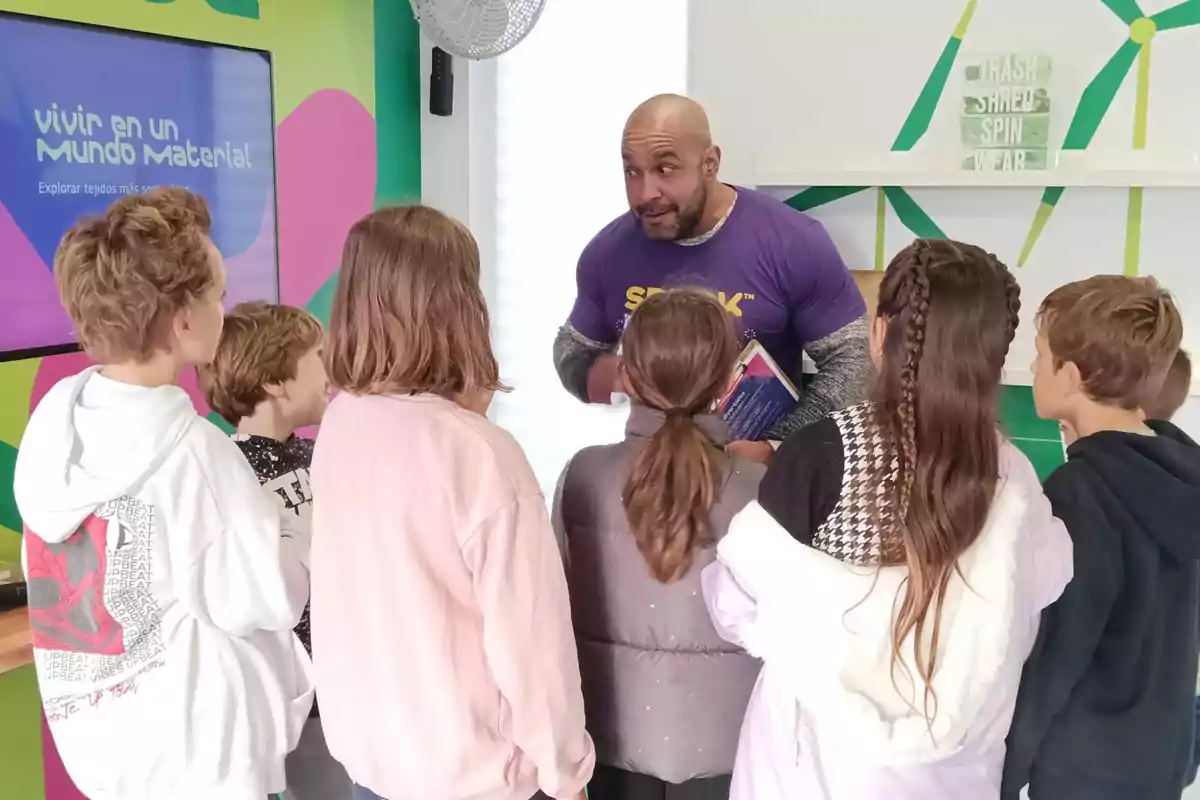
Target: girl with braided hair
x: 892, y: 573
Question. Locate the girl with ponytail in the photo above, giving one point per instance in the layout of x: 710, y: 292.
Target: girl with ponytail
x: 664, y: 694
x: 893, y: 570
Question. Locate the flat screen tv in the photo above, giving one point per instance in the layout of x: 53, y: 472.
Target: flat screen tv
x: 90, y: 114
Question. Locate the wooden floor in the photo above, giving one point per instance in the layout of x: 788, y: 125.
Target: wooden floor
x: 15, y: 648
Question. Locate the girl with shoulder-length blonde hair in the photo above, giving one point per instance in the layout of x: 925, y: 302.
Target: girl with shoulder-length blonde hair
x: 440, y: 622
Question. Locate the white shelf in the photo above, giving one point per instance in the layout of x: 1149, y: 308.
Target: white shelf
x: 1021, y: 376
x: 1071, y: 168
x: 1016, y: 376
x: 1151, y: 179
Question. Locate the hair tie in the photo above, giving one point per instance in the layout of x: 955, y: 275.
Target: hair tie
x: 678, y: 413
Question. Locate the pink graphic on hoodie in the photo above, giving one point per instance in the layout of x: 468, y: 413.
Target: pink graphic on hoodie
x: 67, y: 610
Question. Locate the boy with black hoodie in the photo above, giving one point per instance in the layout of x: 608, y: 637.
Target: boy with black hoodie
x: 1105, y: 705
x: 1164, y: 405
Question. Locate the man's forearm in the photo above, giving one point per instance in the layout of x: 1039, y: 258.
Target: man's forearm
x: 843, y: 361
x: 574, y: 356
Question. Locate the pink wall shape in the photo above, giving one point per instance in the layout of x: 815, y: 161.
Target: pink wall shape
x: 326, y: 161
x: 239, y: 269
x: 59, y: 785
x: 56, y: 368
x: 28, y: 298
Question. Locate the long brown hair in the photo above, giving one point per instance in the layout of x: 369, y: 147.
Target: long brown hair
x: 408, y: 313
x: 951, y: 311
x: 678, y: 354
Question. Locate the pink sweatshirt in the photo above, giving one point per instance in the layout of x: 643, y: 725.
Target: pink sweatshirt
x: 441, y: 628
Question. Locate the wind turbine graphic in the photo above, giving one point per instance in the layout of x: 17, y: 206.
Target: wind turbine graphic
x: 910, y: 214
x: 1094, y: 104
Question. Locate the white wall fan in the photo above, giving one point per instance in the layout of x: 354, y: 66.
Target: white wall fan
x: 477, y: 29
x: 473, y: 29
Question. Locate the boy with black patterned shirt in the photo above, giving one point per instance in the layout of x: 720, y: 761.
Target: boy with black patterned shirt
x: 282, y: 469
x: 268, y: 381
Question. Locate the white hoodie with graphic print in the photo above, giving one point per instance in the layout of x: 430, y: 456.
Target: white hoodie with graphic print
x: 162, y: 595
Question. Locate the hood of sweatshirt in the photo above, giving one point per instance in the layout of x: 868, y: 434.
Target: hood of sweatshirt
x: 824, y: 627
x: 1152, y: 481
x: 91, y: 440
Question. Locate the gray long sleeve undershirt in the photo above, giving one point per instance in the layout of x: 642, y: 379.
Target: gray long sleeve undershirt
x: 574, y: 355
x: 842, y: 359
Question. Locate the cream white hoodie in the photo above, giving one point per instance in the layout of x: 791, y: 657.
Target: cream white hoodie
x: 828, y: 719
x: 163, y: 591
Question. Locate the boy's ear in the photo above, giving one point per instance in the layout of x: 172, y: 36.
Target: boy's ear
x: 1072, y: 381
x: 274, y: 390
x: 180, y: 323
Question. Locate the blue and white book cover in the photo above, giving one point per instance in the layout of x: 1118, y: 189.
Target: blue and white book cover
x: 761, y: 396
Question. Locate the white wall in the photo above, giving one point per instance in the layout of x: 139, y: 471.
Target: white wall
x: 531, y: 161
x: 824, y: 86
x: 562, y: 100
x: 458, y: 153
x: 530, y: 158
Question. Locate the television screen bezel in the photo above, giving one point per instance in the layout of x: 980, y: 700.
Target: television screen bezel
x: 42, y: 351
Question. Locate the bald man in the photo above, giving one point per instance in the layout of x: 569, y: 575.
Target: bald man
x: 775, y: 269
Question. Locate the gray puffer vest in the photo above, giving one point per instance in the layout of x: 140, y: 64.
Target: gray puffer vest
x: 664, y: 694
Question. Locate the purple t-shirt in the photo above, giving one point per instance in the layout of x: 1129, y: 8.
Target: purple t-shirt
x: 775, y: 269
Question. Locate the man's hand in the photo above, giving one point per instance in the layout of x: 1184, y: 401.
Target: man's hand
x: 752, y: 451
x: 604, y: 378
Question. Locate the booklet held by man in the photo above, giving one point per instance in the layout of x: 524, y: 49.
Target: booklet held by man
x: 761, y: 396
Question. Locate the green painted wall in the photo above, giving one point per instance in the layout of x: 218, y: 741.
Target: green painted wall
x: 1039, y: 439
x: 20, y: 736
